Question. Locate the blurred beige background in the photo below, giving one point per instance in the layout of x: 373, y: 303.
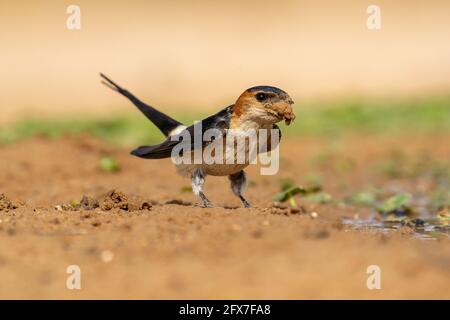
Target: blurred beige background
x: 203, y: 54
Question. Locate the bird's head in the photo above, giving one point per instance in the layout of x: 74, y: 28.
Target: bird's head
x: 265, y: 105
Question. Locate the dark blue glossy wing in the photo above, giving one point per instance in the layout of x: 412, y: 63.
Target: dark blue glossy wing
x: 219, y: 121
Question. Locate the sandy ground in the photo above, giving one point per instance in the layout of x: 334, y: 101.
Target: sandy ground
x: 150, y: 249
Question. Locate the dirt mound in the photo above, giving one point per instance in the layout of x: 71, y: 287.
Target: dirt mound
x: 115, y: 199
x: 6, y: 204
x: 112, y: 200
x: 89, y: 203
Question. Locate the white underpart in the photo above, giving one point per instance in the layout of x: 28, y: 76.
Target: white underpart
x: 228, y: 165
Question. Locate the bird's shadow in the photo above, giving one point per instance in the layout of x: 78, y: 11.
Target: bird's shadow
x: 198, y: 205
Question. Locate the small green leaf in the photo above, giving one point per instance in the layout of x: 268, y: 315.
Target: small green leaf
x: 396, y: 202
x: 74, y: 203
x: 287, y: 194
x: 109, y: 164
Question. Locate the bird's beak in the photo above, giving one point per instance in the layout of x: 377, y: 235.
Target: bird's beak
x: 282, y: 110
x: 288, y: 114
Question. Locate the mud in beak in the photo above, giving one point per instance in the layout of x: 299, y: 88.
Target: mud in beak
x: 288, y: 113
x: 283, y: 111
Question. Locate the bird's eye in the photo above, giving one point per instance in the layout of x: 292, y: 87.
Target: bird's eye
x: 261, y: 96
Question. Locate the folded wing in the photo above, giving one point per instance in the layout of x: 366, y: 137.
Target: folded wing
x: 219, y: 121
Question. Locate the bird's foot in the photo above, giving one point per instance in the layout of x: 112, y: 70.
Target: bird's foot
x: 247, y: 205
x: 245, y: 202
x: 206, y: 202
x: 208, y: 205
x: 204, y: 205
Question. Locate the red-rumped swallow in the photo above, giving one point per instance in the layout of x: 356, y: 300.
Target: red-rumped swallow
x: 257, y: 108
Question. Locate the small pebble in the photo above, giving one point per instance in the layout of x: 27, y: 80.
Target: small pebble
x: 314, y: 215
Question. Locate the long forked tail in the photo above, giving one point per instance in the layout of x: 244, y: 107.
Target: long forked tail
x: 164, y: 123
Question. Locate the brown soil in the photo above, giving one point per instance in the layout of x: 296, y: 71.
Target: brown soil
x: 136, y: 233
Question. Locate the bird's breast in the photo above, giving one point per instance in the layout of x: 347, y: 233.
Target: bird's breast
x: 225, y: 156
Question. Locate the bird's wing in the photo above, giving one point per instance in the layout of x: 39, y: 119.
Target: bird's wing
x: 164, y: 123
x: 219, y: 122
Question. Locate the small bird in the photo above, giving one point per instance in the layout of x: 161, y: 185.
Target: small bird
x: 257, y: 108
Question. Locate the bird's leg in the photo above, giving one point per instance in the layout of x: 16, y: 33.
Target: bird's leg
x: 198, y: 180
x: 238, y: 184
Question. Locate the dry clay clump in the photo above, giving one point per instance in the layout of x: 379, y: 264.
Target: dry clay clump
x: 88, y: 203
x: 112, y: 200
x: 5, y: 203
x: 118, y: 200
x: 115, y: 199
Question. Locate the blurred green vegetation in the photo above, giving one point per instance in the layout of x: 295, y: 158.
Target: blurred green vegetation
x: 382, y: 116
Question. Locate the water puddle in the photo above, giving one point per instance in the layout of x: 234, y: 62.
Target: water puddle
x: 424, y: 229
